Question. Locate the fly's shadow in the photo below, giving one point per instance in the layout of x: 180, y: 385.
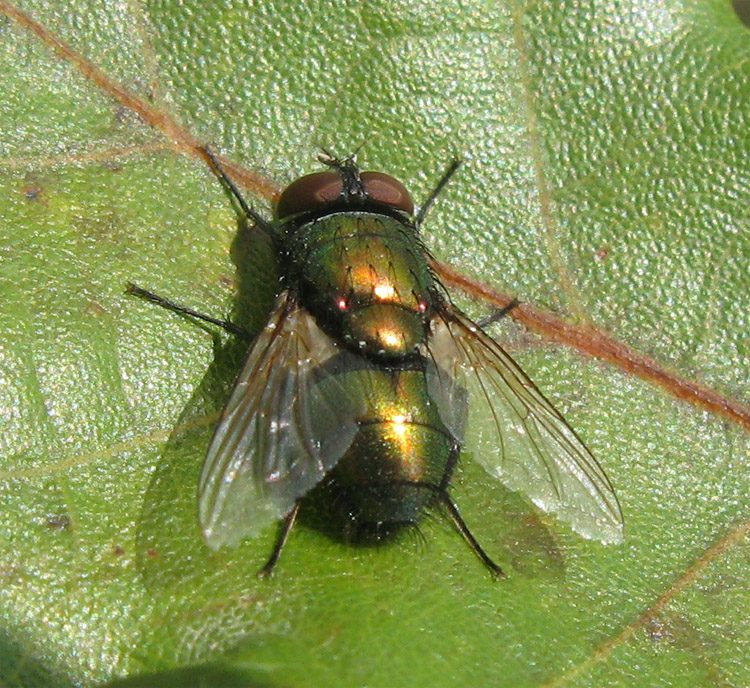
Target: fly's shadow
x: 170, y: 545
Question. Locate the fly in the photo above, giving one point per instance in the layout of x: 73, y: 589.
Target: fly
x: 366, y: 382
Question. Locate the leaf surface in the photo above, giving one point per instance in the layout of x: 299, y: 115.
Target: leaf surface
x: 605, y: 179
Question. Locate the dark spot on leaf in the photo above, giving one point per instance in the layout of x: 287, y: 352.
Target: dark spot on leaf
x: 227, y: 282
x: 58, y: 521
x: 32, y: 192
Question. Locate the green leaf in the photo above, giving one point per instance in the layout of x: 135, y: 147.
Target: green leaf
x: 605, y: 179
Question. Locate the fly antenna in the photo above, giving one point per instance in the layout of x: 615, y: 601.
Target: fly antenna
x: 348, y: 170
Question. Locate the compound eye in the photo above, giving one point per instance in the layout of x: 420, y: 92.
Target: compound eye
x: 308, y: 193
x: 387, y: 190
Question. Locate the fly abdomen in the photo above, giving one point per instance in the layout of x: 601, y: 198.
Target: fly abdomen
x: 392, y: 472
x: 402, y: 453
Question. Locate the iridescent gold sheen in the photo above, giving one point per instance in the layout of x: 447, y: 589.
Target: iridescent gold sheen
x: 365, y: 272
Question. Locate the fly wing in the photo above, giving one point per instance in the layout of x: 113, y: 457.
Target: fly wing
x: 280, y: 432
x: 521, y: 438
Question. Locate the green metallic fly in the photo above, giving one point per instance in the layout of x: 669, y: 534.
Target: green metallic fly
x: 366, y: 382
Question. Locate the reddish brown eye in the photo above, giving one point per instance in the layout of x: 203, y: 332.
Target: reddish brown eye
x: 308, y: 193
x: 314, y: 190
x: 387, y: 190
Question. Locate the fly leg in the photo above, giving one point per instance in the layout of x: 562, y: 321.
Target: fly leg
x: 286, y: 528
x: 497, y: 314
x: 458, y: 521
x: 230, y: 186
x: 441, y: 492
x: 176, y: 308
x: 422, y: 214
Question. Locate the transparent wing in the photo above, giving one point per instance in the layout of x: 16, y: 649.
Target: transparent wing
x: 522, y: 439
x: 281, y: 430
